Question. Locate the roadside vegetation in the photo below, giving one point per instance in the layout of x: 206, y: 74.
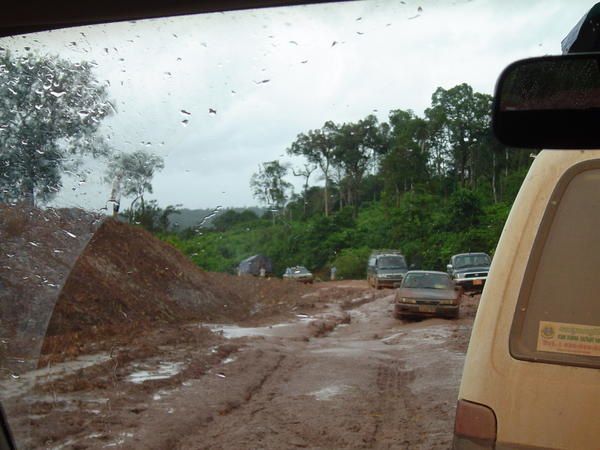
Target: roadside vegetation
x: 431, y: 186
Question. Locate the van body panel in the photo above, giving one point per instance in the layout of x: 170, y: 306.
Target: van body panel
x: 537, y: 405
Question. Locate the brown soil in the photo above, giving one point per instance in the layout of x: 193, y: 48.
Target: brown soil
x: 322, y: 366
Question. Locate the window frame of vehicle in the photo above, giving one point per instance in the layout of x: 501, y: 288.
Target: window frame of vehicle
x: 521, y: 342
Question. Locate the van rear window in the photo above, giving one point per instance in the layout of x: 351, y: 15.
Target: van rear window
x: 557, y: 319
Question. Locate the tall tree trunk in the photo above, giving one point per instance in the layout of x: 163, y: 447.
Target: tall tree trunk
x: 326, y: 193
x: 28, y: 195
x: 494, y: 177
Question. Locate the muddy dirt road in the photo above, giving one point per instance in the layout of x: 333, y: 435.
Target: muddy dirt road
x: 341, y: 375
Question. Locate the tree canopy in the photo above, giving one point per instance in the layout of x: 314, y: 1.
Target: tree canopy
x: 50, y: 110
x: 131, y: 175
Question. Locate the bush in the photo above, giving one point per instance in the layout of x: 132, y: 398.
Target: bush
x: 351, y: 263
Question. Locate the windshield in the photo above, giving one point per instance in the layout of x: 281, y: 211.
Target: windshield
x: 158, y: 177
x: 391, y: 262
x: 427, y: 281
x: 471, y: 261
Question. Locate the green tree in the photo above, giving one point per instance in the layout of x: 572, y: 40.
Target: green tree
x: 318, y: 147
x: 131, y: 176
x: 152, y: 217
x: 228, y: 219
x: 405, y: 163
x: 50, y: 111
x: 459, y: 120
x: 269, y: 187
x: 305, y: 172
x: 357, y: 145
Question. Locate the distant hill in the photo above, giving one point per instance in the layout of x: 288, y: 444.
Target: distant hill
x: 188, y: 218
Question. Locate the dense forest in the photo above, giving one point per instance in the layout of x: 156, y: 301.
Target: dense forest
x: 431, y: 186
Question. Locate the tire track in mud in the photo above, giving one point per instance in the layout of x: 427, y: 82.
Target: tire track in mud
x: 252, y: 391
x: 259, y: 421
x: 393, y: 409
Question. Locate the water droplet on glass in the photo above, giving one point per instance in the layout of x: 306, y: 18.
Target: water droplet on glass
x: 186, y: 113
x: 185, y: 122
x: 57, y: 94
x: 70, y: 234
x: 212, y: 112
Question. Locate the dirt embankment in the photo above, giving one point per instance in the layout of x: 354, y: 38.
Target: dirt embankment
x: 82, y: 283
x: 127, y: 281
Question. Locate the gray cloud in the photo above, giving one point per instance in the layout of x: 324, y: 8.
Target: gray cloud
x: 386, y: 60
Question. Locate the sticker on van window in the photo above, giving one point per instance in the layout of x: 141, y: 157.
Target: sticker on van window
x: 569, y: 338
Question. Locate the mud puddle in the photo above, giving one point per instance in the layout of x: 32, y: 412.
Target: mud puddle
x: 18, y: 384
x: 162, y: 372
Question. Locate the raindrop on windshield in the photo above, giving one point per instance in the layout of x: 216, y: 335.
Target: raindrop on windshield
x: 212, y: 112
x: 185, y: 122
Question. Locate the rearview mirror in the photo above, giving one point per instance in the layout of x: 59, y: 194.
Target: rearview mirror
x: 549, y: 102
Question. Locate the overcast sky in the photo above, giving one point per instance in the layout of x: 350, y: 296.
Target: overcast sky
x: 336, y: 62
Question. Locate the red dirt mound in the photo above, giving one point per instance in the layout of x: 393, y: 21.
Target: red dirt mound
x: 126, y: 279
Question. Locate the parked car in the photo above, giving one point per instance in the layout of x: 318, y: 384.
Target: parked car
x: 532, y: 372
x: 469, y: 270
x: 386, y: 268
x: 427, y: 293
x: 257, y: 265
x: 299, y: 273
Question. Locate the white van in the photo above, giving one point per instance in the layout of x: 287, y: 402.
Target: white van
x: 532, y: 372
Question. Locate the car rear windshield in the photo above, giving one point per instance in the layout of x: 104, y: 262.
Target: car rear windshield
x: 427, y: 281
x: 391, y: 262
x: 471, y: 261
x: 558, y: 312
